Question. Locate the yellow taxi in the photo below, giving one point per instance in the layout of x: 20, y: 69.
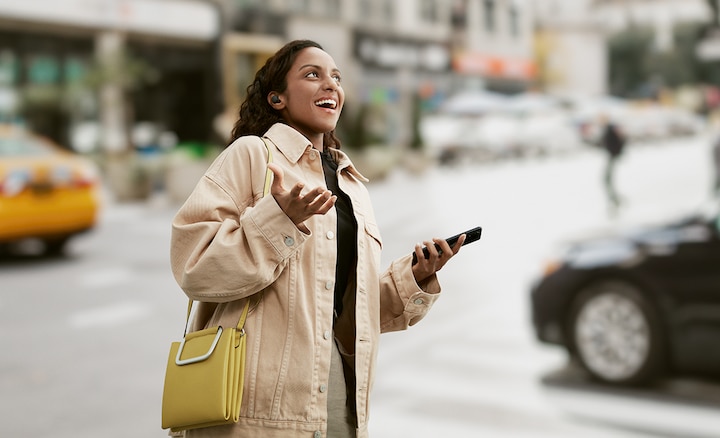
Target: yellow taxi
x: 46, y: 193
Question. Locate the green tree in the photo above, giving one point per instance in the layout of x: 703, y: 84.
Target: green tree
x: 627, y: 50
x: 637, y: 69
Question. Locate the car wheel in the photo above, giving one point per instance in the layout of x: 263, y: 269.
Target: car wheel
x: 56, y: 246
x: 616, y: 334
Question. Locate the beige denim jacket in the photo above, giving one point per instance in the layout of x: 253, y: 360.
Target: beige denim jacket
x: 229, y: 243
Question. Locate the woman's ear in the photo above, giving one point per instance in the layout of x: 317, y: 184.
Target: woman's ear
x: 275, y: 101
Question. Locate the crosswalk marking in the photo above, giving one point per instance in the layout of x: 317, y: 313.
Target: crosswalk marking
x: 106, y: 277
x: 112, y: 315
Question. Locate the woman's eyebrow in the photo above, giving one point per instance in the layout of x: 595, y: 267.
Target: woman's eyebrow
x: 335, y: 70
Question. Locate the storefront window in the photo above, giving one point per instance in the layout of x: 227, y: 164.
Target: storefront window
x: 43, y: 69
x: 74, y: 70
x: 429, y: 11
x: 514, y: 21
x: 302, y: 6
x: 8, y: 68
x: 389, y: 11
x: 246, y: 65
x: 458, y: 15
x: 332, y: 8
x: 366, y: 9
x: 489, y: 15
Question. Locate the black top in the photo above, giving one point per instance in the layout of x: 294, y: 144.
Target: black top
x: 613, y: 140
x: 346, y: 231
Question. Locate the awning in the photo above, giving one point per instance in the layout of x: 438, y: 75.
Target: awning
x: 494, y: 66
x: 186, y: 19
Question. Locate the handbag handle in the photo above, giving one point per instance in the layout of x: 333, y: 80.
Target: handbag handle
x: 266, y: 190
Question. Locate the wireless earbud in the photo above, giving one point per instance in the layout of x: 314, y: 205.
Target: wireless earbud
x: 275, y: 99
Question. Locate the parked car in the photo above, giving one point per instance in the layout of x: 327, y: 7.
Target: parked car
x: 635, y: 306
x: 46, y: 193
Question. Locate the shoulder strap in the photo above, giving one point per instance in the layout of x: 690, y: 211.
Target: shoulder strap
x: 266, y: 190
x: 268, y: 172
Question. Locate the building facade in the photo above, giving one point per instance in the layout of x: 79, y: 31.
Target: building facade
x: 570, y: 48
x: 184, y: 65
x: 571, y: 37
x: 398, y: 57
x: 494, y: 44
x: 83, y: 72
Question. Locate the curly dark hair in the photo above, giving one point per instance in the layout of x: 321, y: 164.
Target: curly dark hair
x: 256, y: 115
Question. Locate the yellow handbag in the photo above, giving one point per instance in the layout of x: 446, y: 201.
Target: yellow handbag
x: 206, y: 370
x: 204, y: 378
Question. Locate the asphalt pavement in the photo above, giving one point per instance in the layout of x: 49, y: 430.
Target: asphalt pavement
x: 85, y: 337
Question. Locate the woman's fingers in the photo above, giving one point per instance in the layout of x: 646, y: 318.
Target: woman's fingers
x: 279, y: 176
x: 296, y: 190
x: 298, y: 206
x: 436, y: 259
x: 322, y: 203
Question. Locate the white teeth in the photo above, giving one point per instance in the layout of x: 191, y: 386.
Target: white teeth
x: 330, y: 102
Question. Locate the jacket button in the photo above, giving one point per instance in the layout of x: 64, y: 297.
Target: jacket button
x: 328, y: 285
x: 323, y: 388
x: 312, y: 155
x: 326, y: 335
x: 317, y: 434
x: 418, y: 301
x: 289, y: 241
x: 330, y: 235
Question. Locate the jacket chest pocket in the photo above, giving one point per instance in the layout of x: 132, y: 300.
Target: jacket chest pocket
x: 370, y: 240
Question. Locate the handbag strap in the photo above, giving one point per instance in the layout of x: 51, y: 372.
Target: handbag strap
x: 266, y: 190
x: 268, y: 172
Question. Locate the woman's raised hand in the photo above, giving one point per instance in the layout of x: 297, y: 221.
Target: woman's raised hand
x: 299, y: 207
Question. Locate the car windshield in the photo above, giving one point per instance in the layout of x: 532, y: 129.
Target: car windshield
x: 709, y: 210
x: 17, y: 146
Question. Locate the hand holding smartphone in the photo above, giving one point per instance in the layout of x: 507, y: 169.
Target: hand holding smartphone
x: 471, y: 235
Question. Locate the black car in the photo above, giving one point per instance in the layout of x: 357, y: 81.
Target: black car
x: 635, y: 306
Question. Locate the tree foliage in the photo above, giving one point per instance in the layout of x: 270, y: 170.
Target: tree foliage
x: 639, y: 70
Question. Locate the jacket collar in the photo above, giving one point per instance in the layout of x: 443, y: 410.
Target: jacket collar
x: 293, y: 145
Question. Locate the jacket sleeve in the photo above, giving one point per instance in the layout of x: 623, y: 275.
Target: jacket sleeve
x: 404, y: 302
x: 228, y: 242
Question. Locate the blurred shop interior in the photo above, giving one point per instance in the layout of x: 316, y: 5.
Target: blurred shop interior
x: 150, y: 88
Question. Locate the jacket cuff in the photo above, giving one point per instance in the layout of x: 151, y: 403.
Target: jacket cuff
x: 276, y: 228
x: 418, y: 298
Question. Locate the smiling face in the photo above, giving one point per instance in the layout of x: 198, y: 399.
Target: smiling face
x: 313, y: 99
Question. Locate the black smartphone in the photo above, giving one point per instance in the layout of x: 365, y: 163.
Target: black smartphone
x: 471, y: 235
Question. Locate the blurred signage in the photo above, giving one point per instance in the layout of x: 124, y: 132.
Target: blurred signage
x: 186, y: 19
x: 396, y: 53
x: 494, y: 66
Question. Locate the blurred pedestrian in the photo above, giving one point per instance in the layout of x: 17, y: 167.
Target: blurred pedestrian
x: 613, y: 141
x: 306, y: 256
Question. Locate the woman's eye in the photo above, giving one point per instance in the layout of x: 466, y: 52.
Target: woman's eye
x: 337, y: 78
x: 312, y: 74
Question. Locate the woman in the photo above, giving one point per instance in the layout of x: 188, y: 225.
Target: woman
x: 306, y: 257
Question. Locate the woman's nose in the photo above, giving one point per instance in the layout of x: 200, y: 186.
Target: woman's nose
x: 330, y: 84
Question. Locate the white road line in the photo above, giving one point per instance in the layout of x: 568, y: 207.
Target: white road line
x: 113, y: 315
x: 651, y: 416
x: 106, y: 277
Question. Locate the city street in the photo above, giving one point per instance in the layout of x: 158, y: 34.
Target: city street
x: 85, y: 337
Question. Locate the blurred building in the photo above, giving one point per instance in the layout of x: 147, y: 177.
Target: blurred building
x: 395, y: 55
x: 661, y: 15
x: 571, y: 37
x: 85, y: 72
x: 81, y: 71
x: 493, y: 44
x: 570, y: 48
